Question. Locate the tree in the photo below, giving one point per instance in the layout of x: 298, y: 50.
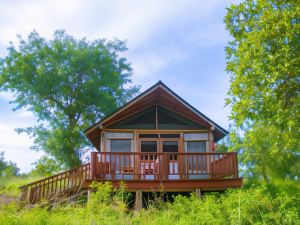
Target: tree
x: 68, y: 84
x: 7, y: 169
x: 46, y: 166
x: 263, y: 60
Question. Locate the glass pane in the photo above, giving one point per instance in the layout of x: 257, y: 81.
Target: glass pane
x: 120, y: 145
x: 169, y: 135
x: 145, y: 119
x: 170, y: 146
x: 196, y: 163
x: 148, y: 135
x: 120, y: 161
x: 196, y: 146
x: 168, y: 120
x: 148, y: 146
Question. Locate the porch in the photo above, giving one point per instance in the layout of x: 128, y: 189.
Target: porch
x: 166, y: 171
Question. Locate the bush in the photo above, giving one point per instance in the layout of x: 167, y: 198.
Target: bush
x: 106, y: 206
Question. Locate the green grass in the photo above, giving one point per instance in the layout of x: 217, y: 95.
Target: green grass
x: 9, y: 186
x: 256, y: 205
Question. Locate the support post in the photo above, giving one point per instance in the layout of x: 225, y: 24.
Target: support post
x: 198, y: 193
x: 89, y: 194
x: 138, y: 200
x: 93, y: 165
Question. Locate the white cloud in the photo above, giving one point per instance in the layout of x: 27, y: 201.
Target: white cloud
x: 8, y: 96
x: 160, y: 35
x: 16, y: 146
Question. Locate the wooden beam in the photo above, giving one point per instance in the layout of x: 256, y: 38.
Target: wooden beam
x: 198, y: 193
x: 177, y: 185
x: 138, y: 200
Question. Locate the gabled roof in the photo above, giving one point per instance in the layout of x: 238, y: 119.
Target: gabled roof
x: 162, y: 95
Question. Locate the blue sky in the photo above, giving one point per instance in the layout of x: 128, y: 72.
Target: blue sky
x: 179, y: 42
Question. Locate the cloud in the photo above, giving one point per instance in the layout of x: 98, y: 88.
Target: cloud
x: 179, y: 42
x: 8, y: 96
x: 16, y: 146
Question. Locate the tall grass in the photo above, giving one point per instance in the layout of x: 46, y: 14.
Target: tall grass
x: 245, y: 206
x: 9, y: 186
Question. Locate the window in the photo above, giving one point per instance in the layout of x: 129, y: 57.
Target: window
x: 170, y: 146
x: 120, y: 160
x: 148, y: 135
x: 148, y: 146
x: 169, y: 135
x: 196, y: 163
x: 195, y: 146
x: 120, y: 145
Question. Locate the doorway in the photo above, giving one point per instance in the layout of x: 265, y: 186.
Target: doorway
x: 153, y: 163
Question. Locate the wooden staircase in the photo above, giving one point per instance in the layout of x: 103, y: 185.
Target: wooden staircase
x: 56, y: 187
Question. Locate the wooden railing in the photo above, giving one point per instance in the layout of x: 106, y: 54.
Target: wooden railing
x: 163, y: 166
x: 109, y: 166
x: 56, y: 186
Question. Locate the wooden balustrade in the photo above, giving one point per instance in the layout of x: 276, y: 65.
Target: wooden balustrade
x: 133, y: 166
x: 163, y: 166
x: 55, y: 186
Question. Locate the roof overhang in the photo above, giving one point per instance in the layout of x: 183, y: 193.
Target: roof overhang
x: 158, y: 94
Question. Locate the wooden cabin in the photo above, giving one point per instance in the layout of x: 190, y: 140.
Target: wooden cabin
x: 155, y: 142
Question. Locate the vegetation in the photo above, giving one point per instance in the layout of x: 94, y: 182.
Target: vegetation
x: 68, y: 84
x: 245, y: 206
x: 7, y: 169
x: 46, y: 166
x: 263, y: 60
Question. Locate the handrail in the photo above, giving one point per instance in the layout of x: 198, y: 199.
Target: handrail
x: 56, y: 185
x: 136, y: 166
x: 163, y: 166
x: 55, y: 175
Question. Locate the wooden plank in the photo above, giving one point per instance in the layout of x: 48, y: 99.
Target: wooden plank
x: 183, y: 185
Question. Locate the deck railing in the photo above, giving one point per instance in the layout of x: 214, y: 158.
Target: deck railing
x: 163, y: 166
x: 55, y: 186
x: 109, y: 166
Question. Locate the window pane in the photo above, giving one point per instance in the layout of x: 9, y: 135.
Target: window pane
x: 169, y: 135
x: 148, y: 146
x: 196, y: 146
x: 196, y: 163
x: 120, y: 145
x: 120, y: 160
x: 148, y: 135
x: 170, y: 146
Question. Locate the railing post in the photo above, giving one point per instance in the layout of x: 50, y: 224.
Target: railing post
x: 93, y: 165
x: 236, y: 167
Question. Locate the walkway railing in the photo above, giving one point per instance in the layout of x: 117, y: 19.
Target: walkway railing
x: 56, y: 186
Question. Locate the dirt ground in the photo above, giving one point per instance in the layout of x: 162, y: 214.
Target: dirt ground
x: 6, y: 199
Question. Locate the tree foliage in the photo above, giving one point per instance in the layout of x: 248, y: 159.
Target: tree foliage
x: 68, y: 84
x: 46, y: 166
x: 7, y: 169
x: 263, y: 60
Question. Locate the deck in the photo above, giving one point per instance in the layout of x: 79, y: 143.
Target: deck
x: 142, y: 171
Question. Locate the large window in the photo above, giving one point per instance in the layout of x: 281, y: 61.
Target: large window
x: 170, y: 146
x: 120, y: 160
x: 148, y: 146
x: 196, y: 146
x: 120, y: 145
x: 196, y: 163
x: 157, y: 117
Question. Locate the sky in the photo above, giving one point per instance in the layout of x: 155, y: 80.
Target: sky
x: 181, y: 43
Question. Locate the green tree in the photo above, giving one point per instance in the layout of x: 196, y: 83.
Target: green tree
x: 7, y: 169
x: 68, y: 84
x: 263, y: 60
x: 46, y: 166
